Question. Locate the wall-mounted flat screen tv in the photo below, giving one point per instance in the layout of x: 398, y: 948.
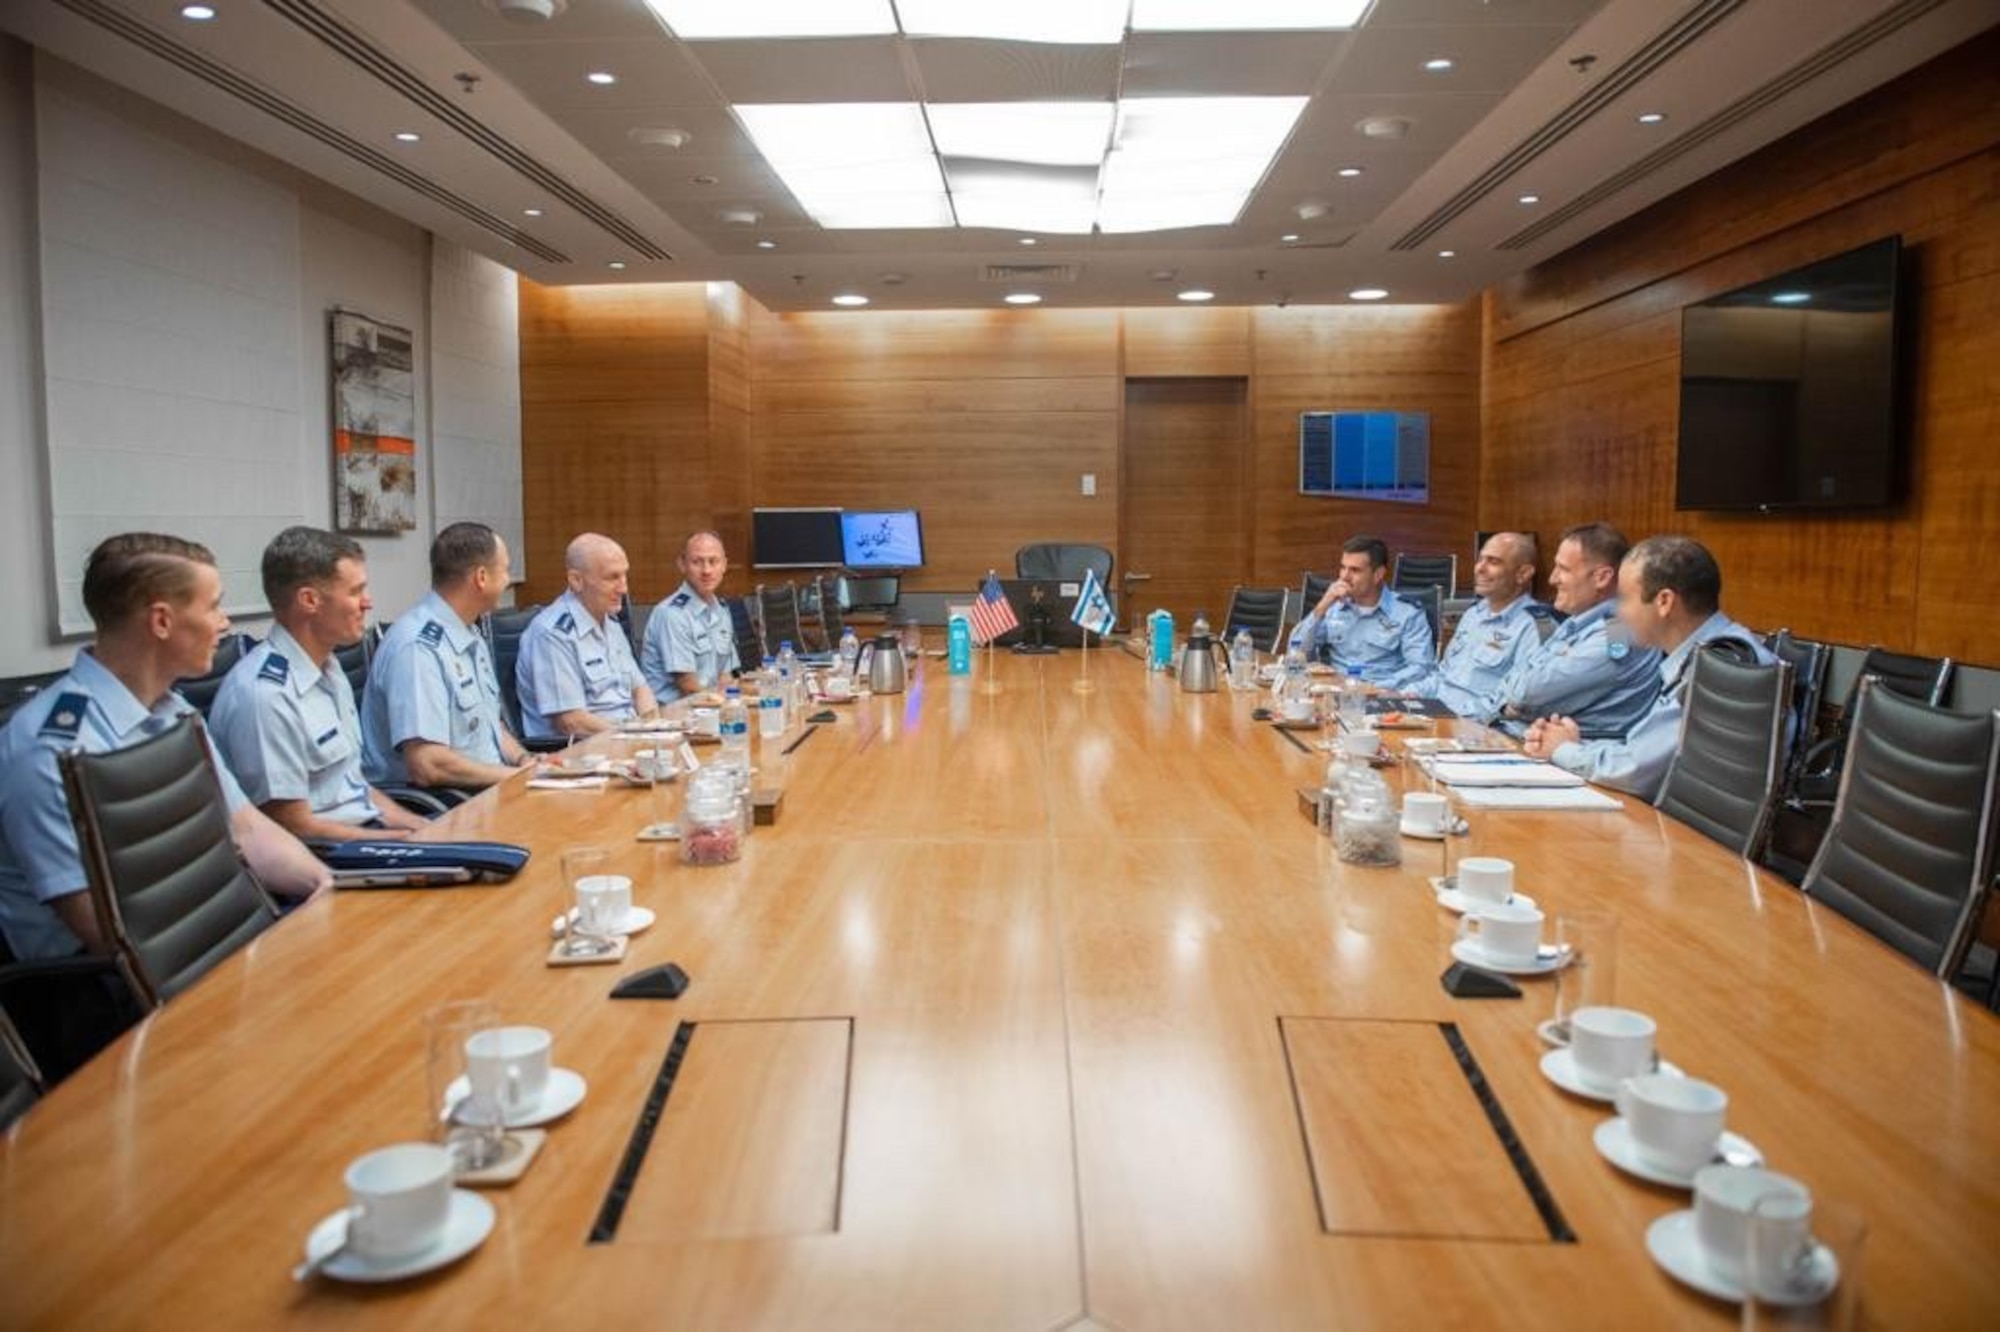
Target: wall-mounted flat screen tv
x: 795, y: 538
x: 882, y: 539
x: 1790, y: 389
x: 1366, y: 455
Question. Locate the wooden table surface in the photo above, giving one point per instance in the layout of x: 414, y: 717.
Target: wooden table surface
x: 1037, y: 1008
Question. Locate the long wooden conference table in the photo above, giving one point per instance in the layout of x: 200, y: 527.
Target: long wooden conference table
x: 1036, y: 1008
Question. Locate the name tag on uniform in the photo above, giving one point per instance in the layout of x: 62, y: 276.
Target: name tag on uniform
x: 320, y: 740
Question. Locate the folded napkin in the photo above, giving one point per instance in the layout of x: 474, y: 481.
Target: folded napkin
x: 567, y: 783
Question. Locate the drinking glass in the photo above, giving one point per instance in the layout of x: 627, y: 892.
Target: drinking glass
x: 469, y: 1124
x: 1590, y: 980
x: 1811, y: 1282
x: 580, y: 862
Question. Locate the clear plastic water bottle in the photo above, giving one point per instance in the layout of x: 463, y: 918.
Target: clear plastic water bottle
x: 790, y: 677
x: 1294, y: 689
x: 850, y: 652
x: 1243, y: 661
x: 771, y: 710
x: 735, y: 729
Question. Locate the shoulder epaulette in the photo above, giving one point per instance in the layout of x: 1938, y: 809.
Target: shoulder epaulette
x: 276, y: 668
x: 566, y: 622
x: 678, y: 599
x: 65, y: 719
x: 432, y: 633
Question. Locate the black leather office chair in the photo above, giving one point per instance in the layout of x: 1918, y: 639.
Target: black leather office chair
x: 353, y: 661
x: 1311, y: 588
x: 827, y: 605
x: 170, y: 892
x: 1908, y: 856
x: 20, y: 1079
x: 1808, y: 661
x: 18, y: 689
x: 1926, y: 680
x: 1261, y: 610
x: 1414, y: 570
x: 749, y: 638
x: 503, y: 630
x: 780, y: 606
x: 638, y: 614
x: 1063, y: 561
x: 1726, y: 773
x: 1430, y: 598
x: 200, y: 690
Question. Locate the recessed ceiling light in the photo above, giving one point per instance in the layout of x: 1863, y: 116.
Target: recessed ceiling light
x: 1447, y: 254
x: 1531, y: 198
x: 767, y: 245
x: 1440, y: 64
x: 1029, y: 240
x: 1651, y: 117
x: 531, y: 212
x: 1366, y: 294
x: 616, y: 265
x: 1289, y: 237
x: 197, y: 13
x: 1791, y: 298
x: 1022, y: 298
x: 407, y: 136
x: 1196, y: 295
x: 850, y: 299
x: 1348, y: 171
x: 603, y: 78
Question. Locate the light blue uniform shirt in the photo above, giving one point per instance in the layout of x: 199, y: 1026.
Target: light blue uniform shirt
x: 1387, y: 644
x: 88, y: 709
x: 570, y: 661
x: 686, y: 634
x: 1639, y: 760
x: 1483, y: 650
x: 1587, y: 671
x: 431, y: 679
x: 290, y: 732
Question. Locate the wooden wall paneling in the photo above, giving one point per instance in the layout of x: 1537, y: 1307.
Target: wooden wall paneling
x: 1187, y: 341
x: 1581, y: 366
x: 614, y: 425
x: 731, y: 404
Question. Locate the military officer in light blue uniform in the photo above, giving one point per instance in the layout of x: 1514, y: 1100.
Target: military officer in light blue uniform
x: 431, y: 715
x: 690, y: 643
x: 1493, y: 634
x: 156, y: 602
x: 1670, y: 599
x: 1588, y: 669
x: 1363, y: 627
x: 285, y: 718
x: 576, y: 675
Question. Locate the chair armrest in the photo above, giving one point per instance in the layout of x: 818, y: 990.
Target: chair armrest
x: 55, y: 968
x: 429, y: 801
x: 551, y: 745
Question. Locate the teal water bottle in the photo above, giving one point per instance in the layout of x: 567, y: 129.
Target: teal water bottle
x: 958, y: 635
x: 1162, y: 655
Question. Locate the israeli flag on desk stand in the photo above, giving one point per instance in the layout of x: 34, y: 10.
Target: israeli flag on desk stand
x: 1093, y: 612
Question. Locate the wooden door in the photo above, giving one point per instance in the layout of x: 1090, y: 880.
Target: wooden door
x: 1184, y: 481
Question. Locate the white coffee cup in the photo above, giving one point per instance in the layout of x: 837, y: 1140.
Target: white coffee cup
x: 603, y: 901
x: 706, y: 722
x: 839, y: 686
x: 1485, y: 879
x: 399, y: 1199
x: 1674, y: 1121
x: 1507, y: 932
x: 1611, y: 1044
x: 652, y: 764
x: 1723, y: 1198
x: 1360, y: 744
x: 1299, y: 707
x: 1425, y: 811
x: 509, y: 1065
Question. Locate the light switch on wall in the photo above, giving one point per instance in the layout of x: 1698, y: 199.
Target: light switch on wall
x: 1090, y: 483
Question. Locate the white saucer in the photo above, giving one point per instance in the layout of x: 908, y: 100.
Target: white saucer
x: 637, y: 919
x: 1613, y: 1140
x: 1451, y: 899
x: 1559, y: 1067
x: 470, y: 1222
x: 1469, y: 952
x: 563, y: 1094
x: 1672, y: 1242
x: 1427, y: 834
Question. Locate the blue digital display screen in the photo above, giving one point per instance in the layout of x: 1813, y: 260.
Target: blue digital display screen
x: 891, y: 539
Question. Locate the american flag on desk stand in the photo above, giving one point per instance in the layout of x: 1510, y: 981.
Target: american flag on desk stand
x: 992, y: 614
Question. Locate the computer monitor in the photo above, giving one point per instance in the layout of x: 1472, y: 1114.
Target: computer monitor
x: 882, y: 539
x: 880, y: 592
x: 1054, y: 599
x: 795, y: 538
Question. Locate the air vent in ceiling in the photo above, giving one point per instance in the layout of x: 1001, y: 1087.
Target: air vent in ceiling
x: 227, y: 80
x: 1028, y: 273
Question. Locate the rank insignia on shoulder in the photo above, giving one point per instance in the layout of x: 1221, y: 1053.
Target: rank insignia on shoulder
x: 678, y: 599
x: 432, y: 633
x: 276, y: 668
x: 566, y: 622
x: 66, y: 718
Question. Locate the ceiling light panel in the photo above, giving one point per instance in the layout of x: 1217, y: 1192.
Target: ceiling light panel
x: 1069, y: 22
x: 1045, y: 133
x: 1245, y: 15
x: 700, y: 20
x: 1018, y: 197
x: 1190, y: 161
x: 856, y: 164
